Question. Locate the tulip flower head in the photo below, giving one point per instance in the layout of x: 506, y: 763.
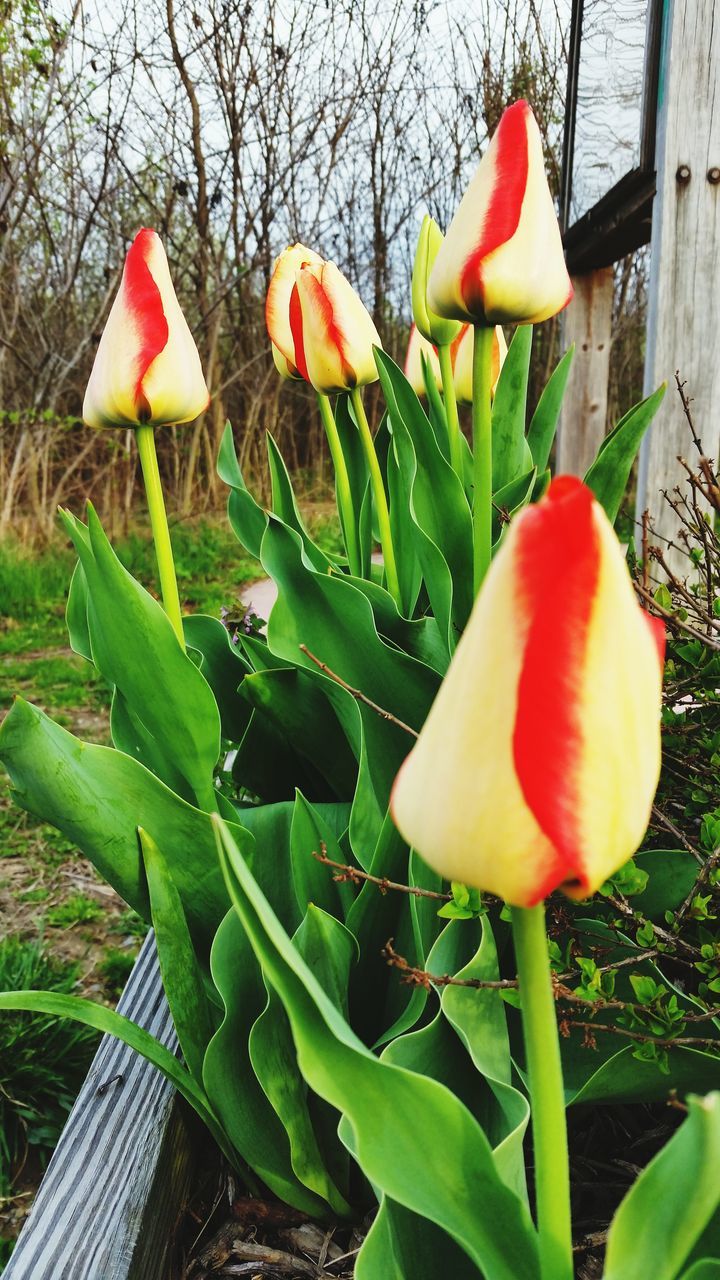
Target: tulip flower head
x: 417, y: 348
x: 502, y: 261
x: 277, y: 306
x: 333, y: 335
x: 537, y: 765
x: 432, y: 327
x: 147, y: 368
x: 461, y: 354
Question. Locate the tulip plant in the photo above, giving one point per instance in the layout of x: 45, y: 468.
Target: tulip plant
x: 422, y: 751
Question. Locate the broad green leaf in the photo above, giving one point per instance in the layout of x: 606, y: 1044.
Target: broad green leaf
x: 672, y: 874
x: 98, y: 797
x: 509, y: 410
x: 286, y: 509
x: 671, y: 1202
x: 115, y: 1024
x: 240, y: 1104
x: 437, y: 499
x: 510, y: 500
x: 705, y: 1269
x: 441, y: 1168
x: 135, y: 648
x: 402, y: 528
x: 402, y: 1246
x: 479, y: 1018
x: 314, y: 882
x: 609, y: 473
x: 130, y: 736
x: 247, y: 518
x: 181, y: 976
x: 274, y: 1061
x: 543, y: 425
x: 76, y: 614
x: 436, y: 411
x: 224, y: 668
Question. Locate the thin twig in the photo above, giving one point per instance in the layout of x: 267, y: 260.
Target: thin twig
x: 677, y: 622
x: 675, y: 831
x: 356, y: 876
x: 358, y: 694
x: 711, y: 863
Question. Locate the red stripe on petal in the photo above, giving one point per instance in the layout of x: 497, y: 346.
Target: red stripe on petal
x: 558, y: 562
x: 504, y: 207
x: 320, y: 300
x: 143, y: 300
x: 296, y: 328
x: 657, y: 631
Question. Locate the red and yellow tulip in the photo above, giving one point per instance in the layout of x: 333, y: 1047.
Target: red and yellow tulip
x: 502, y: 259
x: 418, y: 347
x: 538, y: 763
x: 333, y: 334
x: 277, y: 306
x: 147, y: 368
x: 461, y: 354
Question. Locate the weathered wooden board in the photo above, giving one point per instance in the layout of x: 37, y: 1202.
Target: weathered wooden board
x: 684, y: 303
x: 588, y: 323
x: 113, y: 1189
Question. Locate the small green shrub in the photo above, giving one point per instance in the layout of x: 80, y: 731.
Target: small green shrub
x: 76, y: 909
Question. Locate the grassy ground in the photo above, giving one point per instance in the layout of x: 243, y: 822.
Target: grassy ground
x: 61, y: 925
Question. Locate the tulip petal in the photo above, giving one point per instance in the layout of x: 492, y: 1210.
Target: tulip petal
x: 147, y: 368
x: 538, y: 763
x: 419, y: 346
x: 277, y: 301
x: 338, y: 334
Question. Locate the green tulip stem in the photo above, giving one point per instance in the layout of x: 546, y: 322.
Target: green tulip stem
x: 547, y: 1098
x: 451, y: 410
x: 342, y: 482
x: 161, y: 534
x: 482, y: 452
x: 378, y: 489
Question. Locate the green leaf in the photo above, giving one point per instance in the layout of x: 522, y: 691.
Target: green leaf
x: 704, y: 1269
x: 314, y: 882
x: 671, y: 1202
x: 286, y: 508
x: 240, y: 1104
x: 359, y: 477
x: 609, y: 473
x: 115, y: 1024
x: 401, y: 1245
x: 76, y: 614
x: 441, y: 1168
x: 135, y: 647
x: 98, y: 797
x: 181, y: 976
x: 543, y: 425
x: 509, y: 410
x: 402, y: 525
x: 436, y: 501
x: 671, y: 875
x: 247, y: 518
x: 224, y: 668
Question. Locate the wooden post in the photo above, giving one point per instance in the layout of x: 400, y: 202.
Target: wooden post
x: 684, y: 304
x: 587, y: 322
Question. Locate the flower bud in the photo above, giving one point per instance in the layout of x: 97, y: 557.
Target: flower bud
x: 417, y: 348
x: 333, y: 334
x: 147, y: 368
x: 501, y: 261
x: 461, y: 355
x: 432, y: 327
x: 277, y: 306
x: 537, y: 765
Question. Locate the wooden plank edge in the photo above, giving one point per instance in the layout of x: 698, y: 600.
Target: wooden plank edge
x: 112, y: 1192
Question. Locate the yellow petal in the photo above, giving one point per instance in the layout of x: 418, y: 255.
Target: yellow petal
x: 418, y: 347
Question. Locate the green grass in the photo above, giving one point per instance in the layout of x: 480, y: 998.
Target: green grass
x: 76, y: 909
x: 114, y: 969
x: 43, y: 1060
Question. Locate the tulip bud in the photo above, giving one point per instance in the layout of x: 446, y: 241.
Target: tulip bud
x: 461, y: 355
x: 277, y: 306
x: 432, y: 327
x: 502, y: 261
x: 147, y: 369
x: 417, y: 348
x: 537, y: 765
x: 333, y: 334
